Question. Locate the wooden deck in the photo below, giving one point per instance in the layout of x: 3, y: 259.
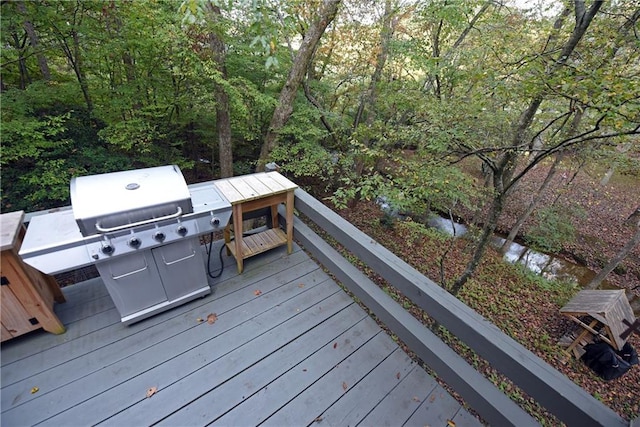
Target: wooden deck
x: 289, y: 347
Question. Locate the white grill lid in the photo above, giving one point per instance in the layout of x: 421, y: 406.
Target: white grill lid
x: 106, y: 201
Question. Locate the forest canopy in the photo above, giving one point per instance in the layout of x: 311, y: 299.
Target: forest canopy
x: 98, y: 86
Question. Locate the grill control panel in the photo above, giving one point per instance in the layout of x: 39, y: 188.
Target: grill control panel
x: 138, y: 239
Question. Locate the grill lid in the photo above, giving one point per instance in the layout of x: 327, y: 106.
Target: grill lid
x: 102, y: 203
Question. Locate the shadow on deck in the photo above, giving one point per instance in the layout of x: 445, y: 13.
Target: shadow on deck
x: 289, y: 347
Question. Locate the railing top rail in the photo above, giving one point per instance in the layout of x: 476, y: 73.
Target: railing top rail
x: 546, y: 385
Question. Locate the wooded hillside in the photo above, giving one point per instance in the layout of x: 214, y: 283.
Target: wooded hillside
x: 447, y: 106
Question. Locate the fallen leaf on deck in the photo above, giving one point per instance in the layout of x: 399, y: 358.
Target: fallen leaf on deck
x: 317, y: 420
x: 344, y: 386
x: 416, y: 399
x: 257, y: 292
x: 398, y: 375
x: 34, y: 390
x: 151, y: 391
x: 335, y: 344
x: 211, y: 319
x: 451, y: 423
x: 301, y: 285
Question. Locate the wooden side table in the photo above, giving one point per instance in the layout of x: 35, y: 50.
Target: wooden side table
x: 248, y: 193
x: 27, y: 295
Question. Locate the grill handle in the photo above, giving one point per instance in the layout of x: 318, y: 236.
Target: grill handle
x: 131, y: 273
x: 137, y: 224
x: 178, y: 260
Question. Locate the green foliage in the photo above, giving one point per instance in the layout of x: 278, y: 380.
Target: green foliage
x: 553, y: 229
x: 305, y: 159
x: 367, y: 188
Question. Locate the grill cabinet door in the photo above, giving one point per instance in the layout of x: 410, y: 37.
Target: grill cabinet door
x: 181, y: 267
x: 133, y: 282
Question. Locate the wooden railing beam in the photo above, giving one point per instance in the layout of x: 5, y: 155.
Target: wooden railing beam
x: 570, y: 403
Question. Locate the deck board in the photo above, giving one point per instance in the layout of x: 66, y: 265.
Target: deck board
x: 298, y: 350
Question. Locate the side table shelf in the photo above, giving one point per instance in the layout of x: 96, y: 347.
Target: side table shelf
x: 259, y: 242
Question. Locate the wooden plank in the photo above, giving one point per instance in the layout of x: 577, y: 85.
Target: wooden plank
x: 15, y: 317
x: 263, y: 241
x: 10, y: 224
x: 90, y: 308
x: 276, y: 180
x: 215, y: 396
x: 78, y: 363
x: 78, y: 293
x: 256, y: 183
x: 6, y: 335
x: 228, y: 191
x: 258, y: 243
x: 550, y: 388
x: 124, y: 348
x: 597, y: 301
x: 115, y: 395
x: 430, y: 405
x: 315, y: 399
x: 242, y: 187
x: 464, y: 419
x: 362, y: 398
x: 256, y: 409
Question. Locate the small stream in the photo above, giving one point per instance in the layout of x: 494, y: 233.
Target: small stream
x: 549, y: 266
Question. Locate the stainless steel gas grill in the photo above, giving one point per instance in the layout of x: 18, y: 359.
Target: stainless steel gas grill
x: 141, y: 228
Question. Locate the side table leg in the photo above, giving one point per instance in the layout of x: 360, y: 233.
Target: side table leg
x: 237, y: 234
x: 227, y: 238
x: 289, y: 206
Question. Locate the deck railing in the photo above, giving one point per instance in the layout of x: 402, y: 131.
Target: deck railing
x: 550, y: 388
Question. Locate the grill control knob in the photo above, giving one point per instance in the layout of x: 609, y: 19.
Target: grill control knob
x: 159, y: 236
x: 134, y: 242
x: 215, y: 222
x: 107, y: 249
x: 182, y: 230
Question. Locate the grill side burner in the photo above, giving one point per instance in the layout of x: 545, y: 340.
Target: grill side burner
x: 141, y: 229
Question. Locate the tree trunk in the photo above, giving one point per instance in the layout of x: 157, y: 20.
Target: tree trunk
x: 504, y: 181
x: 76, y: 60
x: 35, y: 42
x: 607, y: 176
x: 368, y: 99
x: 487, y: 231
x: 369, y: 96
x: 534, y: 202
x: 575, y: 123
x: 223, y: 117
x: 454, y: 47
x: 634, y: 218
x: 613, y: 263
x: 22, y: 64
x: 287, y: 95
x: 497, y: 205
